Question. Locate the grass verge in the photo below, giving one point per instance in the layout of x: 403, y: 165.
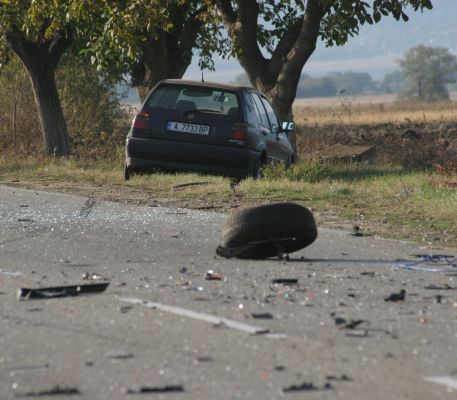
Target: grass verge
x: 382, y: 200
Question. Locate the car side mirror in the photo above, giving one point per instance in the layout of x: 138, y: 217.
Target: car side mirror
x: 288, y: 127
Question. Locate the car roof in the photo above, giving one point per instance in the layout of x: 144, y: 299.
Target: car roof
x: 215, y: 85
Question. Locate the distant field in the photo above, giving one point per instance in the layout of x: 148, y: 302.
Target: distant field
x: 372, y: 110
x: 330, y: 102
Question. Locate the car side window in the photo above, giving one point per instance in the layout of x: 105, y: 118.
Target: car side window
x: 270, y: 112
x: 260, y: 110
x: 251, y: 112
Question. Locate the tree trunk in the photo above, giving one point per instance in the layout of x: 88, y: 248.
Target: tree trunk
x: 167, y: 55
x: 278, y: 76
x: 50, y: 113
x: 41, y: 59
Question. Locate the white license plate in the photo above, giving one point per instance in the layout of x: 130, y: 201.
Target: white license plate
x: 188, y: 128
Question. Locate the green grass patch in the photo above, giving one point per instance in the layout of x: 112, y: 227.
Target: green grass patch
x: 385, y: 200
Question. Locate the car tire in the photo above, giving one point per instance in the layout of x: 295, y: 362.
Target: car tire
x: 128, y: 172
x: 267, y: 231
x: 256, y: 170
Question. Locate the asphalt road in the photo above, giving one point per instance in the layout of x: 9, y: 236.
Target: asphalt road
x: 162, y: 331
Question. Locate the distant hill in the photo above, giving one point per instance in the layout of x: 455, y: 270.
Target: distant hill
x: 437, y: 28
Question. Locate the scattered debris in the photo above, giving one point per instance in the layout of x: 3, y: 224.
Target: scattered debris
x: 120, y: 356
x: 156, y: 389
x: 285, y: 281
x: 431, y: 259
x: 87, y: 208
x: 56, y: 391
x: 91, y: 276
x: 26, y: 367
x: 357, y: 333
x: 306, y: 386
x: 186, y: 185
x: 395, y: 297
x: 351, y: 324
x: 449, y: 381
x: 125, y: 309
x: 10, y: 273
x: 25, y: 220
x: 183, y: 270
x: 213, y: 276
x: 437, y: 287
x: 205, y: 359
x: 213, y: 319
x: 439, y: 298
x: 61, y: 291
x: 339, y: 378
x: 262, y: 315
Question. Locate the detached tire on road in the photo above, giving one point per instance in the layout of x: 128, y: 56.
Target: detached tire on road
x: 267, y: 231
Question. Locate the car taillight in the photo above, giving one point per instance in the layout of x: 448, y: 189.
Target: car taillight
x: 239, y: 133
x: 141, y: 121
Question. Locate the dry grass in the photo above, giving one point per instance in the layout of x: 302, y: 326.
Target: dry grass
x: 347, y: 112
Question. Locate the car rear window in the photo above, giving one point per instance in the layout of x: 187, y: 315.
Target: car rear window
x: 188, y: 98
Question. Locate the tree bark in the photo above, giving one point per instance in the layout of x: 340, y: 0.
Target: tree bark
x: 41, y: 59
x: 277, y: 77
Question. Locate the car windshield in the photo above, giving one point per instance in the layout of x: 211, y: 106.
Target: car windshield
x: 191, y: 98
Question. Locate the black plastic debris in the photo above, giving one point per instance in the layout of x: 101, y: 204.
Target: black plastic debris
x: 340, y: 378
x: 306, y: 387
x: 348, y: 324
x: 156, y: 389
x: 120, y: 356
x: 186, y: 185
x: 395, y: 297
x: 285, y: 281
x: 61, y: 291
x: 205, y: 359
x: 262, y: 315
x: 56, y: 391
x: 437, y: 287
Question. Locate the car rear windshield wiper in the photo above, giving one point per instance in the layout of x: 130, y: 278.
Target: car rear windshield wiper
x: 202, y: 111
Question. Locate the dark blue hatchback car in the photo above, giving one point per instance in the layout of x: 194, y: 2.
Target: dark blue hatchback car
x: 206, y: 127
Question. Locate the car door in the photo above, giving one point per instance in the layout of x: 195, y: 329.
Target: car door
x: 283, y: 148
x: 264, y: 127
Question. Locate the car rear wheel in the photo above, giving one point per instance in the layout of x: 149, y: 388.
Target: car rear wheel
x: 127, y: 172
x: 256, y: 170
x: 267, y: 231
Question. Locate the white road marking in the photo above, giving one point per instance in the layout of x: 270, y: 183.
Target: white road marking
x: 448, y: 381
x: 212, y: 319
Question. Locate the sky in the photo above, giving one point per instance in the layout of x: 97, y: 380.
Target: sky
x: 375, y: 50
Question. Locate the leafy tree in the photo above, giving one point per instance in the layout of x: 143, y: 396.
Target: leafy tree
x: 96, y: 122
x: 316, y: 87
x: 39, y: 32
x: 152, y: 40
x: 427, y: 70
x: 393, y: 82
x: 352, y: 83
x: 291, y: 34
